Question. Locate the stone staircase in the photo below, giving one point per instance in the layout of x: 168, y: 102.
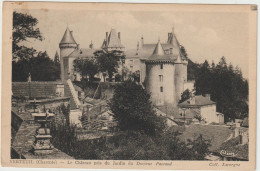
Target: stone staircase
x: 70, y: 92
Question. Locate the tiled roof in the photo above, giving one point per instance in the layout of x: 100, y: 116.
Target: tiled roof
x: 37, y: 89
x: 113, y: 40
x: 189, y: 114
x: 67, y: 37
x: 216, y: 134
x: 82, y: 53
x: 233, y: 146
x: 199, y: 101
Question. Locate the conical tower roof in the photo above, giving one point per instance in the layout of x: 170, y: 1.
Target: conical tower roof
x: 159, y: 54
x: 67, y: 37
x: 113, y: 40
x: 158, y: 51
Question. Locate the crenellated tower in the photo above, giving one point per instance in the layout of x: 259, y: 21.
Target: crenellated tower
x: 67, y: 46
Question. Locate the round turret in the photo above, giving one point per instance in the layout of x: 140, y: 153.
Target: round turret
x: 67, y: 46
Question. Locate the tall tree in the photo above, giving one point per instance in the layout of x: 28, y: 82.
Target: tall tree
x: 24, y: 28
x: 133, y: 109
x: 57, y: 58
x: 42, y: 68
x: 108, y: 62
x: 86, y: 67
x: 185, y: 95
x: 227, y: 87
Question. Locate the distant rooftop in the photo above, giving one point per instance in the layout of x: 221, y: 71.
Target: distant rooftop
x: 197, y: 101
x: 216, y: 134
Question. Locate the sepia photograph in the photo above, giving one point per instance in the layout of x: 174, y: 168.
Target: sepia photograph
x: 131, y: 82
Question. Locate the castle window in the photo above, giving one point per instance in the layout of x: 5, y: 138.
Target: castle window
x: 161, y: 66
x: 161, y: 78
x: 161, y: 89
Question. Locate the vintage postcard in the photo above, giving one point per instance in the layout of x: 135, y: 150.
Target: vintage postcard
x: 129, y: 86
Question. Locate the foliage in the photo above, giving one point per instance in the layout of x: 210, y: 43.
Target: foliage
x: 227, y: 87
x: 136, y: 76
x: 24, y: 28
x: 86, y: 67
x: 129, y: 145
x: 185, y: 95
x: 134, y: 146
x: 41, y: 68
x: 108, y: 62
x: 133, y: 109
x: 20, y: 70
x: 56, y: 59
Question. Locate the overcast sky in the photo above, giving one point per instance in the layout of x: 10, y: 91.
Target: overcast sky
x: 205, y: 35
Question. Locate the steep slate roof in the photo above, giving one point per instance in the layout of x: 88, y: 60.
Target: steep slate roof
x: 131, y: 53
x: 113, y: 40
x: 159, y: 54
x: 67, y: 37
x: 199, y: 101
x: 146, y: 50
x: 82, y: 53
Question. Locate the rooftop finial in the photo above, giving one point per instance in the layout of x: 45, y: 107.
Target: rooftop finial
x: 173, y: 28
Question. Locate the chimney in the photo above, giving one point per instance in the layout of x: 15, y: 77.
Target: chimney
x: 119, y: 36
x: 142, y: 42
x: 106, y: 36
x: 71, y: 32
x: 237, y: 130
x: 91, y: 46
x: 192, y: 100
x: 208, y: 96
x: 243, y: 137
x: 78, y: 46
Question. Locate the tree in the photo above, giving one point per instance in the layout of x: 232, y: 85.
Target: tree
x: 227, y: 87
x: 133, y: 109
x: 185, y: 95
x: 192, y: 68
x: 24, y: 28
x: 42, y: 68
x: 86, y: 67
x: 20, y: 70
x: 56, y: 59
x: 108, y: 62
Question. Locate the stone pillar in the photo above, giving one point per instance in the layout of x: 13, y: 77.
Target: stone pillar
x: 42, y: 144
x: 60, y: 90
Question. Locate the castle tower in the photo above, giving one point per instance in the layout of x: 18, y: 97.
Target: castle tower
x: 113, y: 41
x: 67, y: 46
x: 160, y: 82
x: 180, y: 66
